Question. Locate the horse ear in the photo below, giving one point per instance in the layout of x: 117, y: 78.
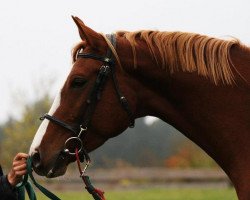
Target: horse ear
x: 87, y: 34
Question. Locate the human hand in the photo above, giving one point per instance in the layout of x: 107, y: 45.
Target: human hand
x: 19, y: 166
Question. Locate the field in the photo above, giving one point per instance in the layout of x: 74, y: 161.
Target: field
x: 153, y: 194
x: 146, y: 184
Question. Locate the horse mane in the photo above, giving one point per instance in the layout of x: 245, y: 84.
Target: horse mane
x: 189, y: 52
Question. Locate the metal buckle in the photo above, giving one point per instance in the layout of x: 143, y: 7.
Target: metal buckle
x: 82, y: 129
x: 85, y: 168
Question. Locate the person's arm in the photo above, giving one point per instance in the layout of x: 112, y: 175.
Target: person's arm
x: 8, y: 182
x: 7, y: 192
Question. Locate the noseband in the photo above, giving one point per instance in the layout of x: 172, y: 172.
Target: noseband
x: 107, y: 68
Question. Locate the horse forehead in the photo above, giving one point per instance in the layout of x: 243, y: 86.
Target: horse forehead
x: 44, y: 125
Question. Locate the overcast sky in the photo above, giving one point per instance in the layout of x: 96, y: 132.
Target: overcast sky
x: 36, y: 37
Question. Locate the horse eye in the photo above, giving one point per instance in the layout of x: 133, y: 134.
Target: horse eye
x: 78, y: 82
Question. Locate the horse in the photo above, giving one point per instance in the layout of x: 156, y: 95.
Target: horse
x: 196, y: 83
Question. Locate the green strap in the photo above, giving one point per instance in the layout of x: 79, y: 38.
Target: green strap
x: 21, y: 192
x: 30, y: 191
x: 25, y: 184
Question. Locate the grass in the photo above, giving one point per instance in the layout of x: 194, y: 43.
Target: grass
x: 153, y: 194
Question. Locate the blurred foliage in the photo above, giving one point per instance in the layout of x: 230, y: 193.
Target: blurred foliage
x: 190, y: 156
x: 142, y: 146
x: 158, y: 145
x: 17, y: 135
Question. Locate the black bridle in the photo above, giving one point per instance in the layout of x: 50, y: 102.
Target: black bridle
x: 105, y: 70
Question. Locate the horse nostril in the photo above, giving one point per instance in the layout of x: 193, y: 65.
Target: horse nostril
x: 36, y: 159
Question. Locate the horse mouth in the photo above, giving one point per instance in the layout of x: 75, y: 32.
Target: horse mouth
x: 59, y: 166
x: 53, y: 172
x: 56, y: 172
x: 52, y: 168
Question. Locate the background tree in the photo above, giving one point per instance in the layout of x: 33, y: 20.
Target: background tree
x: 17, y: 135
x: 188, y: 155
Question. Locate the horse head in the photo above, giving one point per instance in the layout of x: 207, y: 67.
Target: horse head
x: 91, y: 104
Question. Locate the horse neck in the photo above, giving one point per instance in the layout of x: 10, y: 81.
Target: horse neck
x: 145, y: 78
x: 215, y: 117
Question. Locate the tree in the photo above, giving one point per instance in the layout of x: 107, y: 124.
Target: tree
x: 17, y: 135
x: 190, y: 156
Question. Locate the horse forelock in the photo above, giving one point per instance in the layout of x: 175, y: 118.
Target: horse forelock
x: 81, y: 45
x: 76, y: 49
x: 189, y: 52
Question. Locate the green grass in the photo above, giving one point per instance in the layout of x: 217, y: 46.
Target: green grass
x: 153, y: 194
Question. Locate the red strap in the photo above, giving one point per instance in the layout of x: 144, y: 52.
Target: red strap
x: 100, y: 193
x: 79, y: 164
x: 86, y: 182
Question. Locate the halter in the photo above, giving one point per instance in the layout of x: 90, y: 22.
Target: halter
x: 94, y: 96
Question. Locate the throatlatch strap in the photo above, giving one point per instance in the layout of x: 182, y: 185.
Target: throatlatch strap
x: 25, y: 184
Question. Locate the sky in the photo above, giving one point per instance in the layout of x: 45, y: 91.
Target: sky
x: 36, y: 37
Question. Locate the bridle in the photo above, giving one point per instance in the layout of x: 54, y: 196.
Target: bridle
x: 79, y: 151
x: 107, y: 68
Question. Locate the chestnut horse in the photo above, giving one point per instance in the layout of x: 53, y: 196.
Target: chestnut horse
x: 198, y: 84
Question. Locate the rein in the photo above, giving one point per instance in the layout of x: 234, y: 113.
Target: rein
x: 26, y: 185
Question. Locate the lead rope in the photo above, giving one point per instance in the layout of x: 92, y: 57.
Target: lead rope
x: 96, y: 193
x: 25, y: 184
